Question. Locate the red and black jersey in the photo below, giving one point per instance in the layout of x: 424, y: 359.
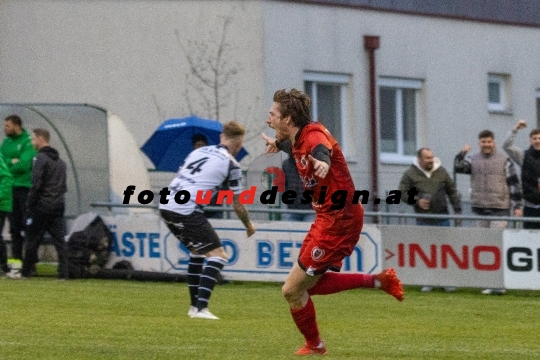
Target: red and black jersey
x: 338, y: 182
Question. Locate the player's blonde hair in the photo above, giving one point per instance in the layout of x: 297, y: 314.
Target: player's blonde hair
x: 233, y: 130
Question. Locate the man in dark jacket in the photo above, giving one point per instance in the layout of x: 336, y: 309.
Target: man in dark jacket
x: 433, y: 184
x: 529, y: 161
x: 45, y: 204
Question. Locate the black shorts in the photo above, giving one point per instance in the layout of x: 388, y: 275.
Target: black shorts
x: 193, y: 230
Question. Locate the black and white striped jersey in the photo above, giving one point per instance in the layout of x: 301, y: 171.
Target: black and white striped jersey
x: 206, y: 168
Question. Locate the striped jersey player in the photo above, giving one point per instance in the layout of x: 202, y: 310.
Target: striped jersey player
x: 204, y: 170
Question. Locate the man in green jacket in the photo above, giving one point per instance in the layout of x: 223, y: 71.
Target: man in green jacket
x: 433, y: 185
x: 6, y: 205
x: 18, y: 153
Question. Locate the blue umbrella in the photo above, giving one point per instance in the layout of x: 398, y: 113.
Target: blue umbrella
x: 171, y: 143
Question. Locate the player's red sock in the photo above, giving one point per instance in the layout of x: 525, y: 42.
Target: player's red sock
x: 331, y: 283
x: 306, y: 322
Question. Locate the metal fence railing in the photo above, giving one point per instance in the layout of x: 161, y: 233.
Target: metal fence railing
x: 272, y: 213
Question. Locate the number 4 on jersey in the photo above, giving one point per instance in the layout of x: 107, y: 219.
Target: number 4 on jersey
x: 196, y: 165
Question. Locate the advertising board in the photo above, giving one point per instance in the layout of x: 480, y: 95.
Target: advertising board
x: 268, y: 255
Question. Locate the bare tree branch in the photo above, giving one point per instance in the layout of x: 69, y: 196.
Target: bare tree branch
x: 211, y: 75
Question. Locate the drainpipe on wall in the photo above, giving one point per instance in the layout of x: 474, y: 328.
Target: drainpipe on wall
x: 371, y: 43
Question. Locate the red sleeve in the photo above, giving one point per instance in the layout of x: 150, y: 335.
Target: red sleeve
x: 317, y: 137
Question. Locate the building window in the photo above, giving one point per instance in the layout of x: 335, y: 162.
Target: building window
x: 328, y: 102
x: 398, y: 119
x: 498, y: 92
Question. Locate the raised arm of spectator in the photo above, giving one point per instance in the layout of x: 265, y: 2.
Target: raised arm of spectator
x: 513, y: 151
x: 514, y: 186
x: 461, y: 165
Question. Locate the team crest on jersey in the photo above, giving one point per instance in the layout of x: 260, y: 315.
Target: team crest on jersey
x: 304, y: 162
x: 317, y: 253
x: 309, y: 182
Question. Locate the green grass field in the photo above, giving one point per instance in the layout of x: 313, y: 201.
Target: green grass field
x: 42, y: 318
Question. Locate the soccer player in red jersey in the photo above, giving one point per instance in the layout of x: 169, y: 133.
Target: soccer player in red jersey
x: 336, y: 230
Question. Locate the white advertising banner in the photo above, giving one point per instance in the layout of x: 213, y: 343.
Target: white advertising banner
x: 462, y: 257
x: 137, y: 239
x: 522, y: 266
x: 445, y: 256
x: 268, y: 255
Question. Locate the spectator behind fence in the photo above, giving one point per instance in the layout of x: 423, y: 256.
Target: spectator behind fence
x: 6, y: 205
x: 199, y: 140
x: 495, y: 187
x: 529, y: 160
x: 294, y: 182
x: 18, y: 153
x: 434, y: 185
x: 45, y: 204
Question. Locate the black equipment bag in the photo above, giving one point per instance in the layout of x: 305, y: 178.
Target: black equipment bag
x: 88, y: 250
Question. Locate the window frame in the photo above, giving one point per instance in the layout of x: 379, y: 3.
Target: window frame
x: 341, y: 80
x: 399, y: 84
x: 502, y: 105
